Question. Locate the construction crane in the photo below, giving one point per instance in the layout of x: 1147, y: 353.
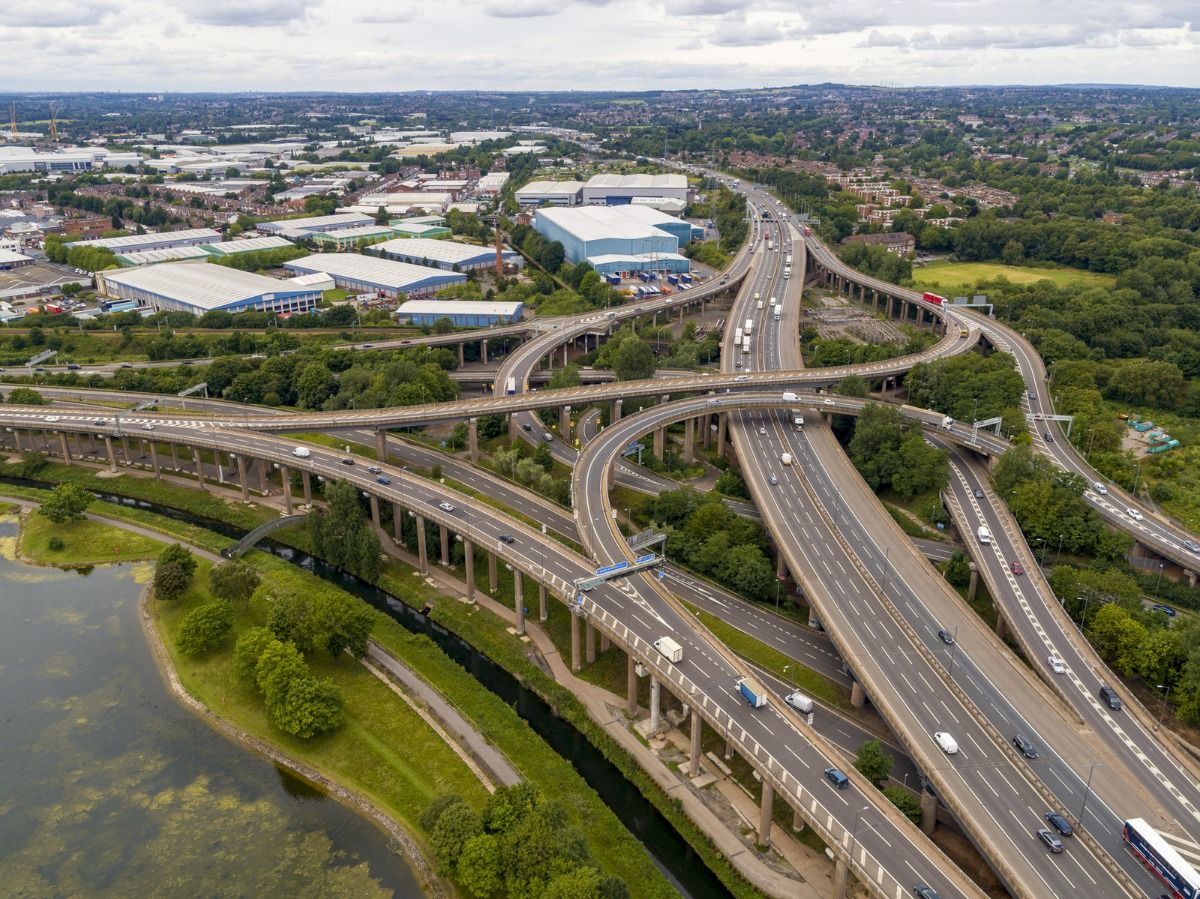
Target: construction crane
x: 53, y: 123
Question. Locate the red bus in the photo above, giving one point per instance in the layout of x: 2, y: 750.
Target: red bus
x: 933, y: 298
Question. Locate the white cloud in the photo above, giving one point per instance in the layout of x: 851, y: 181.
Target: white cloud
x: 248, y: 13
x: 55, y: 13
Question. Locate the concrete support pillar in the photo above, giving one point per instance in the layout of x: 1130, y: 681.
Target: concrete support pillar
x: 929, y: 804
x: 722, y: 426
x: 566, y: 360
x: 841, y: 878
x: 493, y: 576
x: 694, y: 758
x: 589, y: 643
x: 797, y: 821
x: 575, y: 664
x: 780, y: 566
x: 616, y: 412
x: 706, y: 432
x: 62, y: 445
x: 241, y: 470
x: 285, y: 478
x: 519, y: 600
x: 469, y: 564
x: 195, y: 459
x: 381, y: 445
x: 1001, y: 625
x: 660, y: 436
x: 154, y: 461
x: 16, y: 432
x: 858, y: 696
x: 397, y: 522
x: 422, y: 553
x: 374, y: 501
x: 564, y: 423
x: 483, y: 352
x: 125, y: 451
x: 174, y: 457
x: 605, y: 643
x: 444, y: 544
x: 764, y: 814
x: 728, y: 749
x: 655, y: 710
x: 473, y: 439
x: 543, y: 606
x: 974, y: 583
x: 631, y: 686
x: 689, y: 440
x: 462, y: 358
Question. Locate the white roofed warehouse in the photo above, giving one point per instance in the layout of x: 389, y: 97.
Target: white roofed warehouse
x: 550, y: 193
x: 351, y: 271
x: 633, y: 232
x: 202, y: 288
x: 136, y: 243
x: 462, y: 313
x: 444, y: 254
x: 617, y: 190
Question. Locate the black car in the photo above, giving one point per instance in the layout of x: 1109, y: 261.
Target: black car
x: 508, y: 539
x: 1025, y: 746
x: 1110, y: 698
x: 526, y: 426
x: 946, y: 637
x: 1166, y: 610
x: 73, y: 366
x: 923, y: 892
x: 1060, y: 823
x: 978, y: 493
x: 1049, y: 437
x: 1053, y: 843
x: 346, y: 461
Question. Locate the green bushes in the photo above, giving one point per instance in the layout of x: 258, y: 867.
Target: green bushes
x: 296, y: 702
x: 205, y: 627
x: 173, y: 573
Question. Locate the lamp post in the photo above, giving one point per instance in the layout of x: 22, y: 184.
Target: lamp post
x: 1158, y: 579
x: 1163, y: 710
x: 1058, y: 555
x: 1087, y: 792
x: 953, y: 646
x: 1042, y: 541
x: 854, y: 832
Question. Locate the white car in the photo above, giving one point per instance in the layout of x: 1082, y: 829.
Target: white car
x: 1100, y: 488
x: 446, y: 507
x: 1134, y: 514
x: 53, y: 418
x: 945, y: 742
x: 147, y: 427
x: 1057, y: 665
x: 829, y: 402
x: 762, y: 430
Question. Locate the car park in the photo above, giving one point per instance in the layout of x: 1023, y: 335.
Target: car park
x: 1053, y: 843
x: 945, y: 636
x: 1024, y: 746
x: 1134, y: 514
x: 445, y: 506
x: 1060, y: 823
x: 945, y: 742
x: 1057, y: 665
x: 1016, y: 567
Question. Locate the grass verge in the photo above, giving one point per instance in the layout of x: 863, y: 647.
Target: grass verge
x: 84, y: 543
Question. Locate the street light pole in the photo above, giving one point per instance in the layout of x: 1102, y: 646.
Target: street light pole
x: 1087, y: 792
x: 1163, y: 710
x: 1058, y: 555
x: 854, y: 832
x: 953, y: 646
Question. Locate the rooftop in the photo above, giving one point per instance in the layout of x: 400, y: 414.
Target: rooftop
x: 635, y: 181
x: 317, y: 223
x: 551, y: 188
x: 116, y: 244
x: 248, y: 245
x: 367, y: 269
x: 166, y: 254
x: 203, y: 286
x: 458, y: 307
x: 600, y: 222
x: 434, y: 250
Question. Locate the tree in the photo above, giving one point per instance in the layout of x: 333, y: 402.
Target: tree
x: 958, y: 570
x: 25, y: 396
x: 873, y: 763
x: 181, y: 555
x: 455, y: 826
x: 204, y: 627
x: 306, y: 707
x: 508, y: 806
x: 322, y: 619
x: 434, y: 810
x: 480, y: 866
x: 582, y: 883
x: 233, y: 580
x: 908, y: 804
x: 248, y: 650
x: 66, y: 502
x: 632, y: 359
x: 170, y: 580
x: 341, y: 535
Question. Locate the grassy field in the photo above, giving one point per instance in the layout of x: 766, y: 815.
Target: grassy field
x: 958, y: 278
x: 84, y: 543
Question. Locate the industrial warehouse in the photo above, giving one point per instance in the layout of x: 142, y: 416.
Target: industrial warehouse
x: 461, y: 313
x: 444, y: 254
x: 137, y: 243
x: 203, y: 288
x: 364, y: 274
x: 619, y: 238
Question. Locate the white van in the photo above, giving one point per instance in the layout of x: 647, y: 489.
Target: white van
x: 984, y: 535
x: 786, y: 458
x: 789, y: 397
x: 669, y: 648
x: 799, y: 702
x: 301, y: 452
x: 760, y: 305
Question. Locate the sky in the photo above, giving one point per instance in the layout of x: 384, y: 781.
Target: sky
x: 375, y: 45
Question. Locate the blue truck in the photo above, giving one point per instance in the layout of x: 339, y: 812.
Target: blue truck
x: 752, y: 692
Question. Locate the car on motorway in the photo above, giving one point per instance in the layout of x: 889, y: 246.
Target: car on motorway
x: 1110, y: 698
x: 346, y: 461
x: 1134, y: 514
x: 1100, y: 488
x: 1016, y: 567
x: 301, y: 452
x: 945, y: 636
x: 762, y: 430
x: 1060, y: 823
x: 1053, y: 843
x: 1049, y: 437
x: 978, y: 493
x: 945, y: 742
x: 1057, y: 665
x: 374, y: 469
x: 507, y: 539
x: 738, y: 364
x: 147, y: 427
x: 1032, y: 397
x: 526, y: 426
x: 445, y: 506
x: 382, y: 480
x: 126, y: 365
x: 547, y: 436
x: 1157, y: 607
x: 921, y: 891
x: 742, y: 378
x: 837, y: 777
x: 52, y: 418
x: 1192, y: 546
x: 1024, y: 746
x: 73, y: 366
x: 367, y: 346
x: 772, y: 479
x: 829, y: 402
x: 100, y: 421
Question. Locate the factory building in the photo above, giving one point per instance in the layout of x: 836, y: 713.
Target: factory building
x: 352, y: 271
x: 202, y: 288
x: 247, y: 245
x: 10, y: 259
x: 306, y: 227
x: 400, y: 202
x: 136, y: 243
x: 426, y: 230
x: 69, y: 159
x: 617, y: 263
x: 551, y: 193
x: 348, y: 238
x: 444, y: 254
x: 491, y: 183
x: 167, y: 254
x: 463, y: 313
x: 618, y: 190
x: 633, y: 232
